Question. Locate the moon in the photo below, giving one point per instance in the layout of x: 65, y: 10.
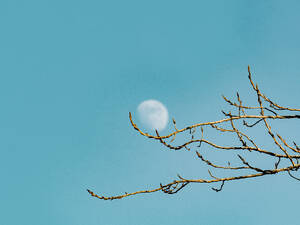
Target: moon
x: 153, y: 114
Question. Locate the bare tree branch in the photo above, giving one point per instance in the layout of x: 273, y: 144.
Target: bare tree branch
x: 259, y: 113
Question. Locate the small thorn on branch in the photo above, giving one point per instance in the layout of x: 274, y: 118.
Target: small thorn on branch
x: 174, y: 122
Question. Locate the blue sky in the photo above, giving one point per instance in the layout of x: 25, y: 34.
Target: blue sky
x: 70, y: 71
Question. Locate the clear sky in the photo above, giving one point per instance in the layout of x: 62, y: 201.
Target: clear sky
x: 70, y: 71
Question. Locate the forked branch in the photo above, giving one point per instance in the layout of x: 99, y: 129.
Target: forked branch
x: 260, y: 114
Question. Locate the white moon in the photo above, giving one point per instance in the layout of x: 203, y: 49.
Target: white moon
x: 153, y: 114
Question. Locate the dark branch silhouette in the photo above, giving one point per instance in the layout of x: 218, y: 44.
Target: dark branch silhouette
x: 262, y: 114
